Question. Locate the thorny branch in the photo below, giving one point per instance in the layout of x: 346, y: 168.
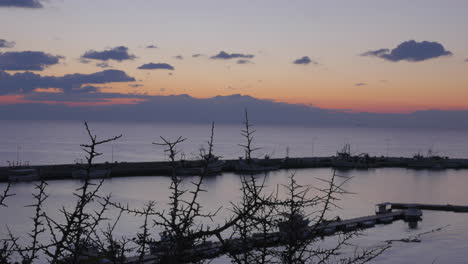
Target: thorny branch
x: 5, y: 195
x: 247, y: 133
x: 185, y: 224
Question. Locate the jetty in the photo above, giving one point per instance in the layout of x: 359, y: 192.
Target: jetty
x: 429, y: 207
x: 195, y: 167
x: 384, y: 215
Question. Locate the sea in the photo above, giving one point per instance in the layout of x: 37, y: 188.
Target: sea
x: 443, y: 235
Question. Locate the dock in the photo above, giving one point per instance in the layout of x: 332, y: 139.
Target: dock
x: 210, y: 249
x: 386, y: 213
x: 429, y: 207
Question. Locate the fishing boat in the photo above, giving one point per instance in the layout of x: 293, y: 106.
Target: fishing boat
x: 345, y: 160
x: 214, y: 164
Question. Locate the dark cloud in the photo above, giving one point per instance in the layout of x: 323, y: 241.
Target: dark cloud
x: 21, y: 3
x: 304, y: 61
x: 151, y: 47
x: 118, y: 54
x: 27, y: 60
x: 197, y: 55
x: 103, y: 65
x: 222, y: 55
x: 376, y: 53
x: 26, y: 82
x: 156, y: 66
x: 466, y: 60
x: 360, y: 84
x: 85, y: 94
x: 243, y: 61
x: 411, y: 51
x: 179, y: 57
x: 6, y: 44
x: 219, y: 109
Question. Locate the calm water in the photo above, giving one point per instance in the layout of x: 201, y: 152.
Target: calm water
x: 52, y: 142
x: 57, y: 142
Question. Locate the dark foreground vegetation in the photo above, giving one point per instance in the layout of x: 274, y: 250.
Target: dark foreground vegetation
x: 184, y: 230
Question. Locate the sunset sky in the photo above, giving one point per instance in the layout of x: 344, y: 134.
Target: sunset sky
x: 328, y: 54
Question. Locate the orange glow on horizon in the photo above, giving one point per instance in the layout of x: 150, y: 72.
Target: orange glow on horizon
x: 12, y: 99
x: 20, y: 99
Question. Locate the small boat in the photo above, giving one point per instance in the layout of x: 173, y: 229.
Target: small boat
x: 22, y: 175
x: 430, y: 161
x: 344, y: 159
x: 214, y: 166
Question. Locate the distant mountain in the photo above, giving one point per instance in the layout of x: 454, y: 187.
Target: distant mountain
x: 229, y: 109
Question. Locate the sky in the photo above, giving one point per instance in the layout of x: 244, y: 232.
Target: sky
x: 377, y: 56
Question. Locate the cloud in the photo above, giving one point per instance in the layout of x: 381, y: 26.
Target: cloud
x: 6, y: 44
x: 411, y: 51
x: 466, y: 60
x: 360, y: 84
x: 156, y: 66
x: 87, y: 89
x: 85, y: 61
x: 151, y: 47
x: 179, y: 57
x: 220, y: 109
x: 103, y: 65
x: 27, y: 60
x: 222, y: 55
x: 197, y: 55
x: 118, y: 54
x: 304, y: 61
x: 136, y: 85
x: 85, y: 94
x: 21, y: 3
x: 376, y: 53
x: 243, y: 61
x: 27, y: 81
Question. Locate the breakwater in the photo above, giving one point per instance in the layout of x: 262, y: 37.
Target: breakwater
x: 195, y: 167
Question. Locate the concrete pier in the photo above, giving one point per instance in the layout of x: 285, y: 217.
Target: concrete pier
x: 194, y: 167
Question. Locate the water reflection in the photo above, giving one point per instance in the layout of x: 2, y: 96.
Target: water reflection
x: 369, y: 187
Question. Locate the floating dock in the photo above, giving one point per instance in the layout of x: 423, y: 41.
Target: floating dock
x: 210, y: 250
x: 385, y: 214
x: 429, y: 207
